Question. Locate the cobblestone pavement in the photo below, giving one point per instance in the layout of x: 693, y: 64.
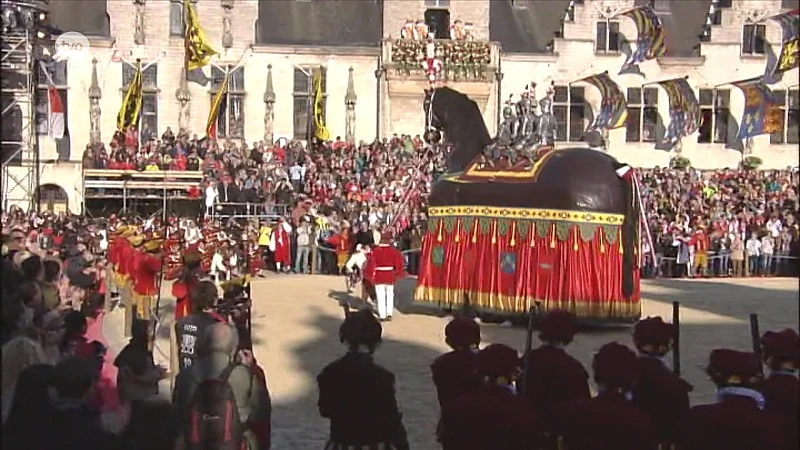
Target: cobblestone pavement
x: 296, y: 321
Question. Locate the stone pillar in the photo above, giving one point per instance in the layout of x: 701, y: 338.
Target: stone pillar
x: 138, y: 22
x: 269, y: 109
x: 184, y: 97
x: 227, y: 33
x: 95, y: 94
x: 350, y: 109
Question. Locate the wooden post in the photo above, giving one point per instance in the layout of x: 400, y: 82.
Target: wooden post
x: 676, y: 340
x: 313, y: 255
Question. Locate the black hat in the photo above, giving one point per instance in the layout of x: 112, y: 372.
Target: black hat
x: 361, y: 328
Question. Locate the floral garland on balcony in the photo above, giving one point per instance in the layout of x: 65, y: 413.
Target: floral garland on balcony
x: 461, y: 60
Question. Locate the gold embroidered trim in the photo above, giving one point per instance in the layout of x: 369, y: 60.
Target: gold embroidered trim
x: 557, y: 215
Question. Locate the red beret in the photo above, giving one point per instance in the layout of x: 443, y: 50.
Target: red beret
x: 653, y: 336
x: 462, y: 332
x: 732, y: 367
x: 615, y: 366
x: 783, y: 345
x: 498, y: 360
x: 558, y: 326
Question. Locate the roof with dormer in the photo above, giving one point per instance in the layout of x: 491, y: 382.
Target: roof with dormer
x: 323, y: 23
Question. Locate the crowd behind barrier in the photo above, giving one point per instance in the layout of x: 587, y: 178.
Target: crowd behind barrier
x: 694, y: 216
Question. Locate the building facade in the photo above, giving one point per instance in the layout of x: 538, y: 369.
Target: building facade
x: 373, y: 89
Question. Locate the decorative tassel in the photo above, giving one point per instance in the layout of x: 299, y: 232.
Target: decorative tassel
x: 553, y: 237
x: 575, y: 243
x: 513, y: 233
x: 602, y: 245
x: 439, y: 237
x: 532, y: 234
x: 458, y: 230
x: 475, y: 231
x: 621, y: 248
x: 494, y: 231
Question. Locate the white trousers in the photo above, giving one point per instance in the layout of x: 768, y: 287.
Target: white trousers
x: 385, y: 297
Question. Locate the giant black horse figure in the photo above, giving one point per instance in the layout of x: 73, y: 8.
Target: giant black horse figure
x: 572, y: 179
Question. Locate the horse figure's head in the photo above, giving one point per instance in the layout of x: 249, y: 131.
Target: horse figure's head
x: 455, y: 115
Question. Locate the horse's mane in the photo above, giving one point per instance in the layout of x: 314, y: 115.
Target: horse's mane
x: 462, y: 121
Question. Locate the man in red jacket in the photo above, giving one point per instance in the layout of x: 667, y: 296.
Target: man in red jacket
x: 384, y: 265
x: 148, y: 269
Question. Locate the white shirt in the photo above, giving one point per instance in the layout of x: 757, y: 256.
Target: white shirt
x: 753, y: 247
x: 218, y: 264
x: 296, y: 172
x: 774, y: 226
x: 193, y: 235
x: 767, y: 245
x: 211, y: 196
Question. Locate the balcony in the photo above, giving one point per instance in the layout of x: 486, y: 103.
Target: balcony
x: 462, y: 61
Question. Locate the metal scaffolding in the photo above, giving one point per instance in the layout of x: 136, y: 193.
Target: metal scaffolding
x: 20, y: 162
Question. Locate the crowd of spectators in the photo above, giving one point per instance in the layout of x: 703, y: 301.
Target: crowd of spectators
x: 60, y: 384
x: 727, y: 222
x: 721, y: 222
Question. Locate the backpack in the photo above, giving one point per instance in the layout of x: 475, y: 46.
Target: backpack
x: 213, y: 417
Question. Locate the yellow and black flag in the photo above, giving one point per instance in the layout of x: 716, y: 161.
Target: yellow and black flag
x: 131, y: 108
x: 217, y: 106
x: 198, y: 50
x: 790, y: 42
x: 613, y: 107
x: 320, y: 130
x: 650, y: 38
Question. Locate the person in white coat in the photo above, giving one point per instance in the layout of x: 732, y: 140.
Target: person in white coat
x: 212, y: 194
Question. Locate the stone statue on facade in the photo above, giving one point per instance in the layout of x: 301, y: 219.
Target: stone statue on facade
x: 547, y: 126
x: 227, y: 32
x: 508, y: 127
x: 95, y: 94
x: 138, y: 22
x: 184, y: 97
x: 350, y: 110
x: 269, y: 109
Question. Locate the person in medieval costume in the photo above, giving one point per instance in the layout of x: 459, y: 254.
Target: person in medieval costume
x: 432, y: 64
x: 457, y: 30
x: 193, y: 234
x: 280, y: 246
x: 420, y: 31
x: 148, y: 269
x: 382, y: 269
x: 407, y: 32
x: 341, y: 244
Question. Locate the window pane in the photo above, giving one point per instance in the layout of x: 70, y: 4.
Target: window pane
x: 793, y: 127
x: 560, y: 94
x: 149, y: 115
x: 634, y: 96
x: 576, y: 95
x: 560, y: 112
x: 632, y: 125
x: 577, y: 122
x: 760, y: 42
x: 236, y: 81
x: 602, y: 36
x: 779, y: 97
x: 650, y: 125
x: 747, y: 39
x: 217, y: 77
x: 127, y: 75
x: 723, y: 98
x: 721, y: 118
x: 300, y: 117
x: 794, y: 99
x: 176, y: 25
x: 236, y: 116
x: 302, y: 82
x: 776, y: 137
x: 57, y: 71
x: 42, y: 111
x: 704, y: 133
x: 613, y: 36
x: 150, y: 77
x: 706, y: 97
x: 222, y: 117
x: 651, y: 96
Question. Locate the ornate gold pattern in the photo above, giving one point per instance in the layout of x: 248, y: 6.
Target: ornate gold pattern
x: 620, y: 310
x: 554, y: 215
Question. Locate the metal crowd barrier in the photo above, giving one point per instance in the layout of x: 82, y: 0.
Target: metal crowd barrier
x: 248, y: 211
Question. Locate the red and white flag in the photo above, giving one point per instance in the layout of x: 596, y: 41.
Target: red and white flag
x: 56, y: 118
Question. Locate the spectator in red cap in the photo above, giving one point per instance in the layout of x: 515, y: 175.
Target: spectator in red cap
x: 737, y: 420
x: 491, y: 416
x: 609, y: 420
x: 781, y: 352
x: 455, y: 372
x: 554, y: 378
x: 658, y: 392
